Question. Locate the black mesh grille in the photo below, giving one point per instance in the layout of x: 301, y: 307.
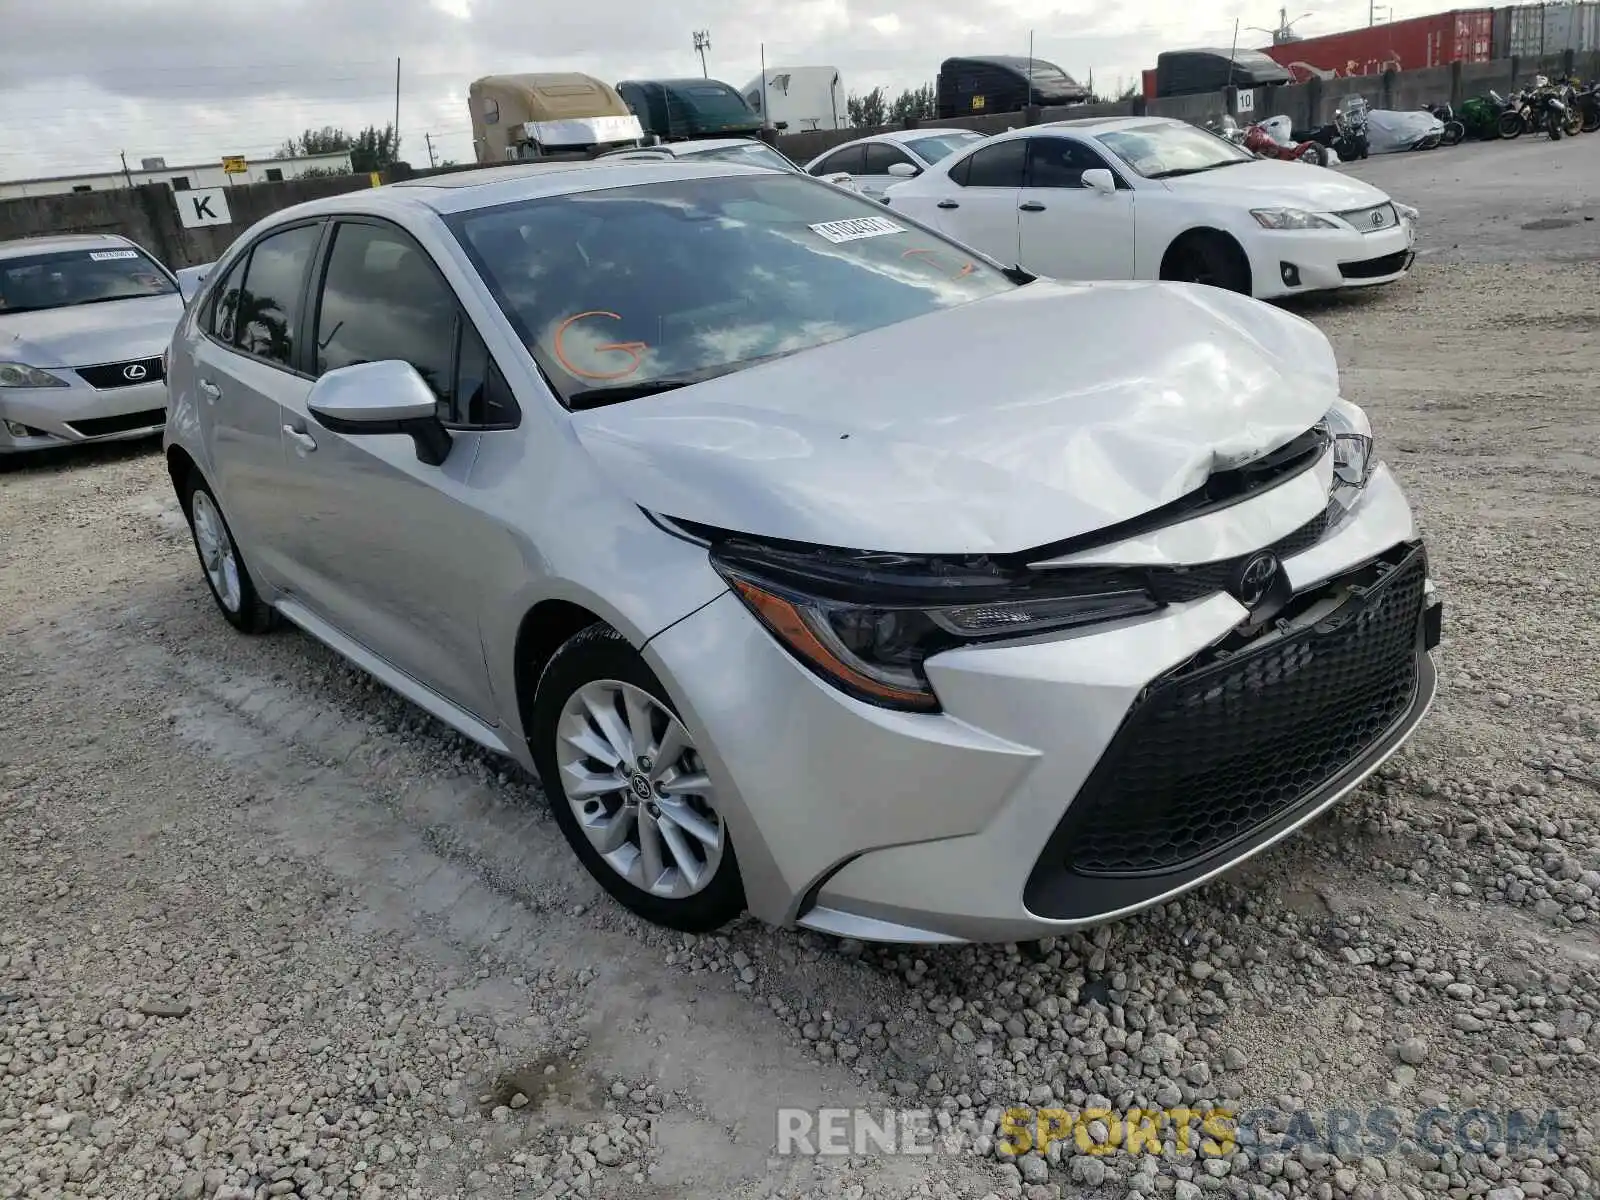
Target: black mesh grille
x: 115, y: 375
x: 1374, y: 268
x: 122, y: 423
x: 1175, y: 585
x: 1213, y: 753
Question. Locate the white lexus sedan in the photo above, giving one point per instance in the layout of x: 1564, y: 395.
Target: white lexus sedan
x: 1154, y: 198
x: 817, y: 566
x: 877, y: 162
x: 84, y: 320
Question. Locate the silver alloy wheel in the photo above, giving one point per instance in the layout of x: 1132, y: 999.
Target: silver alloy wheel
x: 638, y: 789
x: 217, y: 555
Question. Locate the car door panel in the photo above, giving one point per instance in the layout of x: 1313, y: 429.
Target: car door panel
x: 1067, y: 230
x: 980, y: 210
x: 245, y: 380
x: 388, y: 549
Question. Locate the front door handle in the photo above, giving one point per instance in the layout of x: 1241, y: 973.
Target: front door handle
x: 1031, y: 206
x: 303, y: 441
x: 210, y: 391
x: 948, y: 204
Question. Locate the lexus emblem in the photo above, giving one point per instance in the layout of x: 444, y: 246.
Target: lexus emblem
x: 1378, y: 217
x: 134, y: 372
x: 1255, y: 578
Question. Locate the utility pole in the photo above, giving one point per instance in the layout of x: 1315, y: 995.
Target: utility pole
x: 702, y: 43
x: 394, y: 154
x: 126, y: 174
x: 1373, y: 8
x: 428, y: 137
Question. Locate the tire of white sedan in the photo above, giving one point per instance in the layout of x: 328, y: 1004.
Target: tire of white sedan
x: 628, y: 786
x: 1209, y: 258
x: 220, y: 563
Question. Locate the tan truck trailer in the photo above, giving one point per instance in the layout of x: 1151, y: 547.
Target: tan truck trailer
x: 521, y: 117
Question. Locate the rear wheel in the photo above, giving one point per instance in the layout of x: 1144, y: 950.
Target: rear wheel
x: 1454, y: 133
x: 1591, y: 120
x: 1209, y: 258
x: 220, y: 563
x: 629, y: 787
x: 1511, y: 125
x: 1574, y: 124
x: 1315, y: 154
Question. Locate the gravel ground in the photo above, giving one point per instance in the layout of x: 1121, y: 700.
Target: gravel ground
x: 265, y: 929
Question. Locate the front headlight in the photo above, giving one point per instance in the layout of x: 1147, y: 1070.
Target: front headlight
x: 1354, y: 455
x: 1408, y: 213
x: 1289, y: 218
x: 20, y: 375
x: 867, y: 622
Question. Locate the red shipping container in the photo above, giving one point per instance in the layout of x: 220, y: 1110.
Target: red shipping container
x: 1465, y: 35
x: 1150, y: 83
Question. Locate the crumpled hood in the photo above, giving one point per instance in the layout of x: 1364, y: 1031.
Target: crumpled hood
x: 998, y: 426
x: 1273, y: 183
x: 88, y: 334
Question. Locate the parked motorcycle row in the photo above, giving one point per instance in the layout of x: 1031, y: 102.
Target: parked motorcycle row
x: 1563, y: 107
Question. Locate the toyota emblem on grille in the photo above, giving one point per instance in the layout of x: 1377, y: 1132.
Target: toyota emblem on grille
x: 135, y: 372
x: 1255, y: 578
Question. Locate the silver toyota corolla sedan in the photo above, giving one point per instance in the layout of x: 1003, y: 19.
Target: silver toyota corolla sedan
x: 84, y: 320
x: 817, y: 566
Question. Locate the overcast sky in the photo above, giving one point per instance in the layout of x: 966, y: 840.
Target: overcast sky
x: 192, y: 80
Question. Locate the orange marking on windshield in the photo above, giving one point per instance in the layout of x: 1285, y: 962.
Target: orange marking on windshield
x: 932, y: 257
x: 635, y: 350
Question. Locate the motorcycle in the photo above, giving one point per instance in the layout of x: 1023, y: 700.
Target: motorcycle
x: 1586, y: 103
x: 1481, y: 116
x: 1454, y: 131
x: 1537, y: 109
x: 1259, y: 141
x: 1346, y: 134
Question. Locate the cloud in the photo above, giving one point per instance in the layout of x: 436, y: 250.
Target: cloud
x: 192, y: 82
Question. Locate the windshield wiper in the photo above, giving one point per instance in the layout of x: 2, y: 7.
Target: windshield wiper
x: 616, y: 393
x: 1177, y: 171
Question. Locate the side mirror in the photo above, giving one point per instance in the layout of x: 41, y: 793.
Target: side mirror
x: 381, y: 397
x: 780, y: 126
x: 904, y: 169
x: 1100, y: 180
x: 190, y: 280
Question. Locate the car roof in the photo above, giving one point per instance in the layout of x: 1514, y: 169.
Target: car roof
x: 912, y: 135
x: 52, y: 243
x: 1092, y: 125
x: 485, y: 187
x: 685, y: 149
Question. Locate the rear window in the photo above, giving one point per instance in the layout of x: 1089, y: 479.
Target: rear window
x: 696, y: 278
x: 932, y: 149
x: 66, y: 278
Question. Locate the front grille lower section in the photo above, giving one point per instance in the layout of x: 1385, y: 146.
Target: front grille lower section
x: 1375, y: 268
x: 122, y: 423
x: 1213, y: 753
x: 123, y: 374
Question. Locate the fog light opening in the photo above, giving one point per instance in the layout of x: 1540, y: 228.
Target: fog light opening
x: 1290, y: 273
x: 17, y: 430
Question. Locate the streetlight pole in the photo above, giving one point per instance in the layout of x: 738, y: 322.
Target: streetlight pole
x: 702, y: 43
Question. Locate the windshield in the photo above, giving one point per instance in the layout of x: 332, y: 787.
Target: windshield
x: 932, y: 149
x: 637, y: 289
x: 1162, y: 151
x: 754, y: 154
x: 718, y: 105
x: 67, y: 278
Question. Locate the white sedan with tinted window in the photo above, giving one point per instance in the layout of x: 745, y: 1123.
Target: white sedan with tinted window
x: 1152, y: 198
x: 874, y: 163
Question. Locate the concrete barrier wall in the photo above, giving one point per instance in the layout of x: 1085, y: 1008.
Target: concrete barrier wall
x: 148, y: 215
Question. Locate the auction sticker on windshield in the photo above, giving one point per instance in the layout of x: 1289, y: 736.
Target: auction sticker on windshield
x: 112, y: 255
x: 856, y: 228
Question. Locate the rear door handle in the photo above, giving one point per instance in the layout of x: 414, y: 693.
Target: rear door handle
x: 948, y: 204
x: 210, y: 391
x: 302, y: 440
x: 1031, y: 206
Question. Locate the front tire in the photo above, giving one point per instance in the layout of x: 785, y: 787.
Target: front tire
x: 221, y: 564
x: 1511, y: 125
x: 1208, y: 258
x: 628, y: 786
x: 1454, y: 133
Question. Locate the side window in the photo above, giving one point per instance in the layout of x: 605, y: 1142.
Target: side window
x: 851, y: 159
x: 219, y: 320
x: 267, y: 312
x: 483, y: 397
x: 881, y: 156
x: 1059, y: 163
x: 998, y: 166
x: 382, y: 298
